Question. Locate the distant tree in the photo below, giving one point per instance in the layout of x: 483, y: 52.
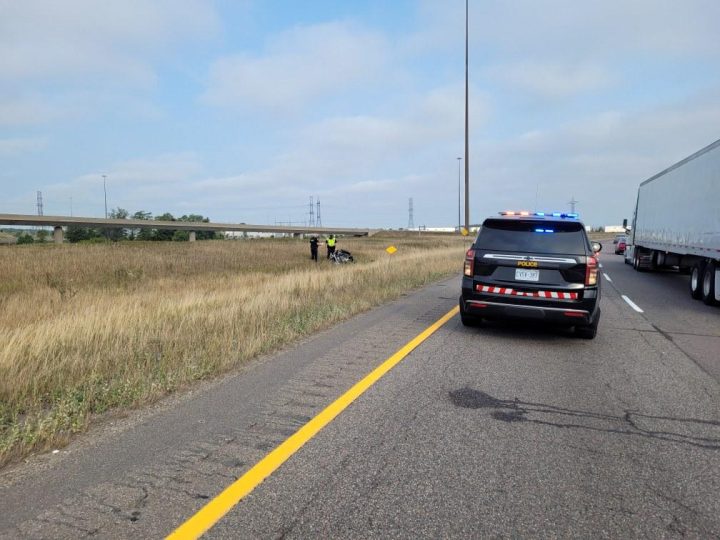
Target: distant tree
x: 142, y: 234
x: 181, y: 236
x: 117, y: 233
x: 75, y: 233
x: 25, y: 239
x: 163, y: 234
x: 41, y: 235
x: 196, y: 218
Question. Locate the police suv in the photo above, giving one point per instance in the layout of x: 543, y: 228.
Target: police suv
x: 533, y: 265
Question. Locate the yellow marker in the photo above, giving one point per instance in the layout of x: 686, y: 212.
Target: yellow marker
x: 213, y: 511
x: 391, y: 249
x: 464, y: 231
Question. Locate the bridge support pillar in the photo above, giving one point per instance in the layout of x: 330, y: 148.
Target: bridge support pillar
x: 192, y: 236
x: 58, y: 234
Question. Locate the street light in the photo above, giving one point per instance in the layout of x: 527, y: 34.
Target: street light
x: 459, y: 197
x: 467, y: 127
x: 105, y: 192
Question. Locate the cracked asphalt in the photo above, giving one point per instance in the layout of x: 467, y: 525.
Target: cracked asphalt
x: 500, y: 431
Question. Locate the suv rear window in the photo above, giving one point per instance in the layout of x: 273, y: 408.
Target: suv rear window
x: 567, y: 237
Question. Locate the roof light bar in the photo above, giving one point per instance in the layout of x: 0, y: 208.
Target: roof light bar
x: 525, y: 213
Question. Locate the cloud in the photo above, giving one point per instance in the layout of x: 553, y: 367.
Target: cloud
x: 49, y: 40
x: 298, y: 66
x: 29, y: 110
x: 424, y: 123
x: 16, y: 146
x: 600, y: 160
x: 159, y: 170
x: 574, y: 30
x: 552, y: 81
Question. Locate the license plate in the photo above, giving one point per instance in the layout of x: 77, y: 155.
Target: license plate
x: 522, y: 274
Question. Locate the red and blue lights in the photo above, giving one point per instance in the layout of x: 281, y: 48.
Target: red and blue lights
x: 526, y: 213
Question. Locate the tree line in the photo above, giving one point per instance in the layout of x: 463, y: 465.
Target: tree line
x: 76, y: 233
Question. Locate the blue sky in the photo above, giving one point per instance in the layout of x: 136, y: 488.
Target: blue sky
x: 242, y: 110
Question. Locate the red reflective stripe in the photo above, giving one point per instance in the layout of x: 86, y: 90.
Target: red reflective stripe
x: 532, y: 294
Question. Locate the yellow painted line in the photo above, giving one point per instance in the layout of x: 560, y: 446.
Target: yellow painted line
x: 213, y: 511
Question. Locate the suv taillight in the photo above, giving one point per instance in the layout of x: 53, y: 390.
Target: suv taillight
x: 591, y: 271
x: 469, y: 262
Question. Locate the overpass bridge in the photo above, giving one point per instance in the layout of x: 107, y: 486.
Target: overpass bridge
x: 58, y: 222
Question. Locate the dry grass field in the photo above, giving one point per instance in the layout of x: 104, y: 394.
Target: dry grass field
x: 91, y: 328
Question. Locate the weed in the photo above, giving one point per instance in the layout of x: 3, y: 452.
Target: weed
x: 118, y: 326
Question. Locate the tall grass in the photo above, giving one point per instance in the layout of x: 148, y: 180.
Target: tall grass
x: 90, y: 328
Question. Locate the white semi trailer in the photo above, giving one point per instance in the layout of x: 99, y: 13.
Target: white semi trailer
x: 677, y: 222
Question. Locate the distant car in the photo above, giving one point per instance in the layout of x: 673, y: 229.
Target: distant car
x: 534, y: 266
x: 620, y: 245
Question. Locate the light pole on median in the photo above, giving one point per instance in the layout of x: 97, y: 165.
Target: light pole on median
x: 467, y: 127
x: 105, y: 192
x: 459, y: 196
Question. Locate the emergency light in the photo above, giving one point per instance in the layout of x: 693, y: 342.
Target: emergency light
x: 524, y: 213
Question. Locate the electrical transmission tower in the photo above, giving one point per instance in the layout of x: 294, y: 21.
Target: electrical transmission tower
x: 572, y: 204
x: 318, y: 221
x: 411, y: 221
x: 39, y: 203
x: 312, y: 213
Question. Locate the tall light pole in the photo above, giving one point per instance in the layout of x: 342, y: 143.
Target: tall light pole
x: 459, y: 196
x: 467, y: 127
x: 105, y: 192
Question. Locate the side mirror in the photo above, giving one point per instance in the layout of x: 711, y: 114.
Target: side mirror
x: 597, y: 247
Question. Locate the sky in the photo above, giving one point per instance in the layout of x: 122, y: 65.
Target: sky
x: 242, y: 110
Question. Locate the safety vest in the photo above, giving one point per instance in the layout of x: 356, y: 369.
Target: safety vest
x: 331, y: 242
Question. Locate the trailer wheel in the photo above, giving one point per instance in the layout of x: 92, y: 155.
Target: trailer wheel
x: 696, y: 279
x: 708, y: 284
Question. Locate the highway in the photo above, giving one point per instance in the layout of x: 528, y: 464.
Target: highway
x: 508, y: 430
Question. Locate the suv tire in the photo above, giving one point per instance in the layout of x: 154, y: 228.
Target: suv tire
x: 589, y: 331
x: 468, y: 320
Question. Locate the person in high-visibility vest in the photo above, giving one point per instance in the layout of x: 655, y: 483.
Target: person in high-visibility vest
x: 330, y: 243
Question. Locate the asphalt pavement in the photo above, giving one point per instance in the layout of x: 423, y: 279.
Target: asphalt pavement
x: 507, y: 430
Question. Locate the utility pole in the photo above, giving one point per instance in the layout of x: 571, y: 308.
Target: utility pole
x: 572, y: 204
x: 318, y: 221
x: 411, y: 221
x: 312, y: 212
x: 459, y: 196
x: 39, y: 203
x: 467, y: 128
x: 105, y: 192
